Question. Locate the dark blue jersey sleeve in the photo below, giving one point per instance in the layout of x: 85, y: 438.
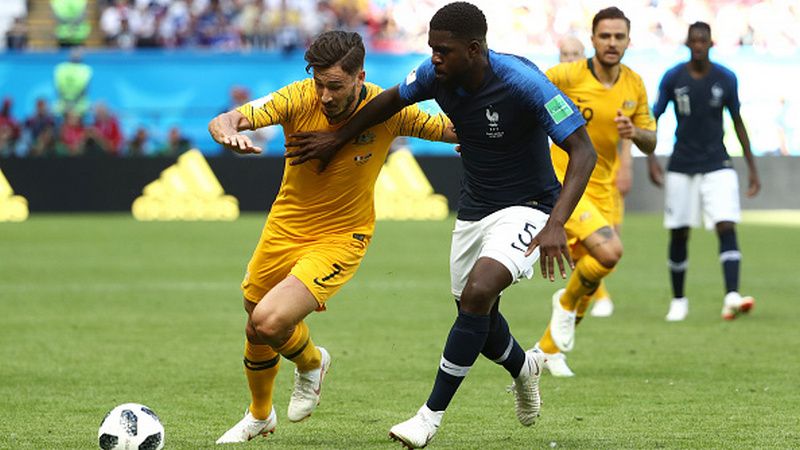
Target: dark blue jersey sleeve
x: 419, y: 85
x: 732, y: 102
x: 664, y: 94
x: 556, y: 113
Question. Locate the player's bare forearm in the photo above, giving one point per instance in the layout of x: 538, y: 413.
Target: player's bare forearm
x: 322, y: 146
x: 754, y: 183
x: 645, y: 140
x: 227, y: 124
x: 582, y: 158
x: 552, y: 239
x: 225, y: 130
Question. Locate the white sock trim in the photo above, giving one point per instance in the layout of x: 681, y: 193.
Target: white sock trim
x: 453, y: 369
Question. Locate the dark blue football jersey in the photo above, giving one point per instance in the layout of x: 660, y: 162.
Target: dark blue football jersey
x: 698, y: 107
x: 502, y: 129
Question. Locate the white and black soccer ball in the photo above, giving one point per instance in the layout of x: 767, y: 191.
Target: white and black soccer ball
x: 131, y: 426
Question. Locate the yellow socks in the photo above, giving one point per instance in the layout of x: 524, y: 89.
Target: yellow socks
x: 301, y: 350
x: 584, y: 280
x: 261, y: 364
x: 601, y: 291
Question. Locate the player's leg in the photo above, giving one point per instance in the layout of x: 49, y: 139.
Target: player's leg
x: 478, y: 287
x: 682, y: 205
x: 317, y: 275
x: 597, y: 254
x: 267, y: 267
x: 721, y: 207
x: 603, y: 306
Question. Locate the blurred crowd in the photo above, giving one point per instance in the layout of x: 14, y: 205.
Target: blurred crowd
x: 97, y: 133
x: 520, y: 26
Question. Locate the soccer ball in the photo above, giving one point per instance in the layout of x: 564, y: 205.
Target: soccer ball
x: 131, y: 426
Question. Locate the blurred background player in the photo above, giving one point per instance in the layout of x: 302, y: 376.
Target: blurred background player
x: 571, y: 49
x: 510, y: 209
x: 700, y: 176
x: 319, y: 226
x: 613, y: 101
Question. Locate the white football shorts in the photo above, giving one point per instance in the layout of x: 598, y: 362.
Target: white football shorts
x: 715, y: 195
x: 503, y: 236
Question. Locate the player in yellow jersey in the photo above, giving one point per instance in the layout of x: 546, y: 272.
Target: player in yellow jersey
x: 571, y: 49
x: 320, y: 224
x: 613, y: 101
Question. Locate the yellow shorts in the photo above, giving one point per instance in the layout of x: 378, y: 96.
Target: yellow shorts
x: 323, y: 264
x: 589, y: 216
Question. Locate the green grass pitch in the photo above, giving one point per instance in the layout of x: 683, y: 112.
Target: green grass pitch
x: 98, y: 310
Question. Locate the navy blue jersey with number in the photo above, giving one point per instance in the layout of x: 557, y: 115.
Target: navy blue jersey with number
x: 698, y: 107
x: 502, y: 129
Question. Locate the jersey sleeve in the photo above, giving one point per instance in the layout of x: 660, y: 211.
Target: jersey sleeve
x: 419, y: 84
x: 664, y: 95
x: 555, y: 111
x: 642, y: 117
x: 276, y: 108
x: 413, y: 121
x: 732, y: 102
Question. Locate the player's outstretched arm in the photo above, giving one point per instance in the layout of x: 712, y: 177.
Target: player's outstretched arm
x: 225, y: 130
x: 754, y: 183
x: 323, y: 146
x: 552, y: 240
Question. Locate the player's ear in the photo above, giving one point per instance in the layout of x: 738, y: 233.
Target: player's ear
x: 362, y: 75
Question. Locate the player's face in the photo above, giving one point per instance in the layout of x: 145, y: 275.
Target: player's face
x: 337, y: 90
x: 610, y: 40
x: 699, y: 42
x: 452, y: 58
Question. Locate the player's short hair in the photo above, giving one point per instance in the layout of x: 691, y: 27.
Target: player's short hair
x: 611, y: 12
x: 703, y: 26
x: 464, y: 20
x: 345, y: 48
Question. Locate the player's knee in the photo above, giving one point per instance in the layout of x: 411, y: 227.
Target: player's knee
x: 477, y: 297
x: 724, y: 227
x: 270, y: 328
x: 609, y: 254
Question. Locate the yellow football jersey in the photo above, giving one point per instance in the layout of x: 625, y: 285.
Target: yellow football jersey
x: 340, y: 200
x: 599, y: 106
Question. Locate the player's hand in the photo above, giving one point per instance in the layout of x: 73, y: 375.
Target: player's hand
x: 754, y: 185
x: 625, y: 127
x: 240, y: 144
x: 553, y: 249
x: 655, y: 172
x: 317, y: 145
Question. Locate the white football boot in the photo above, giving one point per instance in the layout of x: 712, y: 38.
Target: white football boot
x: 249, y: 427
x: 555, y: 363
x: 417, y: 431
x: 307, y: 388
x: 678, y: 309
x: 734, y: 304
x: 562, y: 324
x: 603, y: 307
x: 527, y: 401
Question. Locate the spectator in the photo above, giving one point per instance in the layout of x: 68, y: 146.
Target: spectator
x: 72, y: 83
x: 9, y: 130
x: 115, y: 25
x: 17, y: 35
x: 140, y: 144
x: 71, y: 136
x: 176, y: 143
x: 104, y: 137
x: 40, y: 129
x: 72, y: 28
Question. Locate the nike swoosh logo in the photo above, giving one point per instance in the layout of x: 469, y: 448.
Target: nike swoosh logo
x: 535, y: 363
